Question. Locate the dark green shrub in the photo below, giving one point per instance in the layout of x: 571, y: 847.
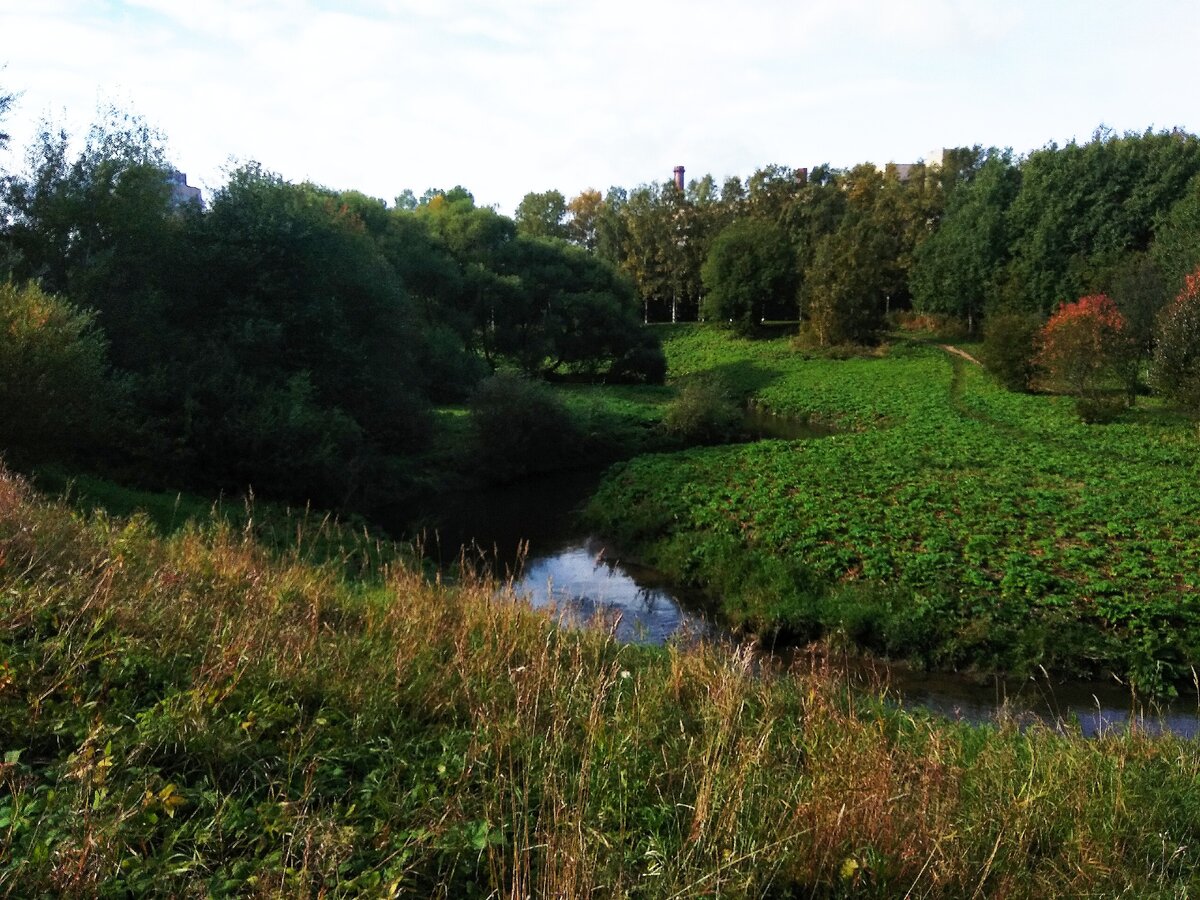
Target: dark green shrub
x: 518, y: 427
x: 643, y: 363
x: 1100, y: 409
x: 703, y: 413
x: 450, y: 371
x: 1009, y: 347
x: 55, y: 394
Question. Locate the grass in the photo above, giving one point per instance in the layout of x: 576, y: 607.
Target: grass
x: 951, y: 522
x: 196, y: 715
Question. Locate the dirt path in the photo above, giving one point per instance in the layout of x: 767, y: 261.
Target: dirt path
x: 950, y: 348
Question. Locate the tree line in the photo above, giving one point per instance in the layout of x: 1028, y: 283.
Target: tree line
x: 288, y: 337
x: 980, y: 232
x: 295, y: 337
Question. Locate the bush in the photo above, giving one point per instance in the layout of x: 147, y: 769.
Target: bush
x: 1083, y: 343
x: 518, y: 427
x: 1008, y: 349
x: 642, y: 363
x: 1100, y: 409
x: 450, y: 371
x: 1176, y: 369
x: 703, y: 413
x: 55, y: 392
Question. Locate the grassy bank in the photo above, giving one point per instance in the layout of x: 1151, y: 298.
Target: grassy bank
x: 952, y: 522
x: 194, y: 715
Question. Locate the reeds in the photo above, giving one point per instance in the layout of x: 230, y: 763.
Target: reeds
x: 196, y: 715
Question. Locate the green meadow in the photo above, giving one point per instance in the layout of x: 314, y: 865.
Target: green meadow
x: 949, y: 521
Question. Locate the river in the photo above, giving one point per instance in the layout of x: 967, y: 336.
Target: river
x: 529, y: 534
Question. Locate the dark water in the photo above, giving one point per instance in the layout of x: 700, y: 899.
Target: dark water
x: 528, y: 534
x: 760, y: 423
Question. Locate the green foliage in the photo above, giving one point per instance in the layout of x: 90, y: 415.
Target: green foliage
x: 859, y: 270
x: 55, y: 390
x: 845, y: 289
x: 1083, y: 206
x: 1009, y: 347
x: 542, y: 215
x: 704, y: 412
x: 1176, y: 367
x: 1176, y: 248
x: 750, y: 269
x: 518, y: 426
x: 957, y: 270
x: 994, y: 518
x: 643, y: 363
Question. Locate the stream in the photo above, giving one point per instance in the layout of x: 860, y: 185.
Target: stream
x: 529, y: 534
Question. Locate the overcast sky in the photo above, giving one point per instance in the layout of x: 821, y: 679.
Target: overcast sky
x: 514, y: 96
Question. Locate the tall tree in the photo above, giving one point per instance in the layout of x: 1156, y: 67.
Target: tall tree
x: 1176, y: 247
x: 750, y: 271
x: 1081, y: 208
x: 584, y: 212
x: 542, y: 215
x: 958, y: 269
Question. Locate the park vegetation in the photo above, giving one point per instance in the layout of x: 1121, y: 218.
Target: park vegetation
x: 197, y: 703
x: 195, y: 715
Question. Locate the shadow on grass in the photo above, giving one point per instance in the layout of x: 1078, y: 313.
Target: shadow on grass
x: 742, y: 378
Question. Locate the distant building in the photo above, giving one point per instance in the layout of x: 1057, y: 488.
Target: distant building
x: 183, y: 193
x: 679, y: 177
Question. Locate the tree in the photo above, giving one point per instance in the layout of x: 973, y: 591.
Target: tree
x: 585, y: 211
x: 406, y: 200
x: 54, y: 386
x: 565, y: 310
x: 1081, y: 208
x: 1009, y: 346
x: 1176, y: 247
x: 1082, y: 343
x: 750, y: 268
x: 958, y: 269
x: 845, y: 288
x: 542, y: 215
x: 6, y: 102
x: 1175, y: 372
x: 1137, y: 286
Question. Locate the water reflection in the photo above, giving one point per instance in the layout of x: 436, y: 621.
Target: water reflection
x: 530, y: 532
x: 584, y: 585
x: 1092, y: 708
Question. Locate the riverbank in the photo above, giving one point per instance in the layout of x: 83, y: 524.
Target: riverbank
x: 197, y: 715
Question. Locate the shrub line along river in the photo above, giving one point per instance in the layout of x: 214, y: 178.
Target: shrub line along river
x: 529, y: 534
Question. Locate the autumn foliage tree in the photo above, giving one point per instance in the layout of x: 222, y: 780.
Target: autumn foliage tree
x: 1176, y: 367
x: 1082, y: 344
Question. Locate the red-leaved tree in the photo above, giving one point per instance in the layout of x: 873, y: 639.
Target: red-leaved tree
x: 1176, y: 369
x: 1083, y: 343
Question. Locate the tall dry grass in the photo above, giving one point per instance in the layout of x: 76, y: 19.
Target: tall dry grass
x: 199, y: 716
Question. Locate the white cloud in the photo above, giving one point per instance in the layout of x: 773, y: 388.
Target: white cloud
x: 531, y: 94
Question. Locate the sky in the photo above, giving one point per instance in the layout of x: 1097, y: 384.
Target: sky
x: 531, y: 95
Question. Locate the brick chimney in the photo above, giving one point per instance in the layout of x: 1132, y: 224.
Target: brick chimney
x: 679, y: 177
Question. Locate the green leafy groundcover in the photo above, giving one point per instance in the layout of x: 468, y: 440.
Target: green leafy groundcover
x: 951, y: 522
